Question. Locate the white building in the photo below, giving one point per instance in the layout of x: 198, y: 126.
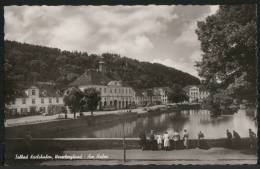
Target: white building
x: 157, y: 95
x: 196, y: 93
x: 162, y: 92
x: 114, y: 93
x: 140, y: 98
x: 37, y: 100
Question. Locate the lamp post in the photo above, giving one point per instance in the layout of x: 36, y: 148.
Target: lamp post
x: 124, y: 143
x: 124, y: 149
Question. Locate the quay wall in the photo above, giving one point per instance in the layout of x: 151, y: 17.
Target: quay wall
x: 62, y: 144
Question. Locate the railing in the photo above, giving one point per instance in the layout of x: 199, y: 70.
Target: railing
x: 102, y: 143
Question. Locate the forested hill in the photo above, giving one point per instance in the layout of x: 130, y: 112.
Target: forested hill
x: 27, y: 63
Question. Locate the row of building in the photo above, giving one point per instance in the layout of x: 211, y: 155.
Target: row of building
x: 115, y: 94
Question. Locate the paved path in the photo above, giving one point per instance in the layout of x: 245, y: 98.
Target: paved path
x: 43, y: 119
x: 134, y: 157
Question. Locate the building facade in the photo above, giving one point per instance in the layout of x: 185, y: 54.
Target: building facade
x: 114, y: 93
x: 196, y: 93
x: 162, y: 92
x: 152, y: 96
x: 35, y: 101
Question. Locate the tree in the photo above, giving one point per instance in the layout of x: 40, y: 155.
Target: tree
x: 177, y: 95
x: 228, y: 42
x: 220, y: 103
x: 72, y: 98
x: 92, y: 99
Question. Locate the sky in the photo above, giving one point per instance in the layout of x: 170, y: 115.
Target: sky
x: 157, y: 34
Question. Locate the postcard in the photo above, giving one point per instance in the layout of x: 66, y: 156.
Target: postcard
x: 131, y: 85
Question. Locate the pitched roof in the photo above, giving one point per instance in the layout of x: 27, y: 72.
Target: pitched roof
x: 49, y: 91
x: 93, y: 77
x: 138, y: 93
x: 187, y: 88
x: 168, y: 89
x: 45, y: 90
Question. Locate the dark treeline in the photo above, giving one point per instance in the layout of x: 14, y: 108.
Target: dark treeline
x: 26, y: 64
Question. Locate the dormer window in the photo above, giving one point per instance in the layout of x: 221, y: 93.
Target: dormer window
x: 44, y: 92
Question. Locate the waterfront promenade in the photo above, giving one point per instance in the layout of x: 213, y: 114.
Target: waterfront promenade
x: 137, y: 156
x: 43, y: 119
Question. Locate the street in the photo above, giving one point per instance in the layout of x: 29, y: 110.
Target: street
x: 136, y: 156
x: 43, y: 119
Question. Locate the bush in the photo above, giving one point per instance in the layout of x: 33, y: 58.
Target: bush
x: 220, y: 103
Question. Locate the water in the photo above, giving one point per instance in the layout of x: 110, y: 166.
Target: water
x: 192, y: 120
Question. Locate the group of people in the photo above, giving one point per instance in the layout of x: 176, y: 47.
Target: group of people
x: 234, y: 141
x: 168, y: 141
x: 175, y: 140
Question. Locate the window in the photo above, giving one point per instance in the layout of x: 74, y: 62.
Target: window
x: 42, y: 100
x: 105, y: 90
x: 33, y: 92
x: 57, y: 100
x: 13, y: 102
x: 49, y: 100
x: 24, y: 101
x: 33, y: 101
x: 115, y: 90
x: 110, y: 90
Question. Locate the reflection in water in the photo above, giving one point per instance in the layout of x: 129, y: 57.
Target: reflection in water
x: 192, y: 120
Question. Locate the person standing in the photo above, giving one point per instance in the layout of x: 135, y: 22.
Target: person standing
x: 185, y: 139
x: 159, y: 142
x: 166, y: 141
x: 229, y: 139
x: 143, y: 140
x: 237, y: 139
x: 200, y: 139
x: 176, y: 139
x: 252, y: 139
x: 152, y: 141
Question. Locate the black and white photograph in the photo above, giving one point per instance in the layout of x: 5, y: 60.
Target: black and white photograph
x: 130, y: 85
